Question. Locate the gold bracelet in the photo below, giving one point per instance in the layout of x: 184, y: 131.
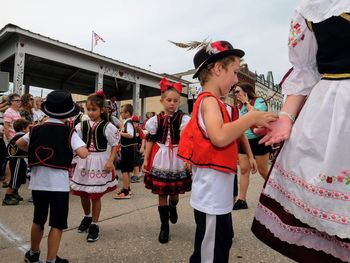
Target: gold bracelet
x: 290, y: 116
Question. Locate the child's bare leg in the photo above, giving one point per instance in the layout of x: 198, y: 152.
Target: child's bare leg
x: 35, y: 237
x: 174, y: 198
x: 96, y: 210
x: 126, y: 180
x: 244, y: 176
x: 136, y: 171
x: 163, y: 200
x: 7, y: 173
x: 53, y: 243
x: 86, y: 204
x: 263, y: 165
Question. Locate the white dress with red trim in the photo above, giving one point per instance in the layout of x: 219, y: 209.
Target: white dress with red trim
x: 167, y: 175
x: 304, y: 209
x: 89, y: 179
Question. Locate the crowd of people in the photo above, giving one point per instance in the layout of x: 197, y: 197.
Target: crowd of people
x: 302, y: 211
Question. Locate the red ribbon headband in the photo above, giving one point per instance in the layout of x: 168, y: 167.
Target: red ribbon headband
x: 166, y: 84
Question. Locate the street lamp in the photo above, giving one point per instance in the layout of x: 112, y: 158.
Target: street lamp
x: 193, y: 93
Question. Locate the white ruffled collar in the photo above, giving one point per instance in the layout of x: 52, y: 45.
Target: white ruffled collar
x: 319, y: 10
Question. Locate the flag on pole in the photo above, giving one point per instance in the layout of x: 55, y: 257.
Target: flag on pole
x: 96, y: 38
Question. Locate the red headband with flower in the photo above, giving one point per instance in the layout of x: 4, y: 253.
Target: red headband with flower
x: 166, y: 84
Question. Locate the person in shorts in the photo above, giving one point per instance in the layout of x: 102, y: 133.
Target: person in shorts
x: 49, y: 161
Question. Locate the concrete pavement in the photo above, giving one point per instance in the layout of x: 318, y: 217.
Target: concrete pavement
x: 129, y: 231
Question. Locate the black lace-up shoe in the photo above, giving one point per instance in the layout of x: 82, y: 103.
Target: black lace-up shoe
x: 85, y: 223
x: 93, y: 233
x: 31, y: 258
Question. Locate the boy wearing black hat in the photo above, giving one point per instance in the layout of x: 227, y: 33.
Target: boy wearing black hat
x: 50, y: 151
x: 209, y: 143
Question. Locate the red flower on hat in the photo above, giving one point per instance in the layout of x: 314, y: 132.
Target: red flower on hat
x: 166, y: 84
x: 216, y: 47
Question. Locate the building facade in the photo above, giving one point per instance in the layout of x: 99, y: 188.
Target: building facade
x: 269, y: 91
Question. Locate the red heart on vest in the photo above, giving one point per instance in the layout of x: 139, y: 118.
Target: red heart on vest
x: 43, y: 153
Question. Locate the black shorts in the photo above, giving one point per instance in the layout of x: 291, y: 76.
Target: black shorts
x: 18, y: 168
x: 257, y: 149
x: 127, y: 159
x: 58, y: 202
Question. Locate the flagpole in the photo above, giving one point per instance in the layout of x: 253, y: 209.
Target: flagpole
x: 92, y: 41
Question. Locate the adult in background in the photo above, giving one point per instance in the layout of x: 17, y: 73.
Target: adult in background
x: 26, y: 107
x: 248, y: 101
x: 112, y: 103
x: 4, y: 105
x: 113, y: 119
x: 148, y: 115
x: 38, y: 114
x: 10, y: 116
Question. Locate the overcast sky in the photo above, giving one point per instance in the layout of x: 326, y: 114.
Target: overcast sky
x: 137, y: 31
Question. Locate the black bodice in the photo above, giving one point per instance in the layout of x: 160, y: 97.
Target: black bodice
x: 333, y: 40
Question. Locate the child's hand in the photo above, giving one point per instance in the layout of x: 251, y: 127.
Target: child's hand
x: 253, y: 165
x: 188, y: 167
x: 144, y: 166
x: 278, y: 131
x: 264, y: 119
x: 142, y: 151
x: 109, y: 166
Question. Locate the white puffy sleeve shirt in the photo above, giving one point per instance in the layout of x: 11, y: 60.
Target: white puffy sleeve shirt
x: 111, y: 133
x: 302, y: 54
x: 152, y: 124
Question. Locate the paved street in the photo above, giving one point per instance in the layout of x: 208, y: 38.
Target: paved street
x: 129, y: 231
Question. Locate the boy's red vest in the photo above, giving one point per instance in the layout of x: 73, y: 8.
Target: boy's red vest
x: 196, y: 148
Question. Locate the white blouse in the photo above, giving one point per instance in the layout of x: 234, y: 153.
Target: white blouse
x: 152, y: 124
x: 302, y: 54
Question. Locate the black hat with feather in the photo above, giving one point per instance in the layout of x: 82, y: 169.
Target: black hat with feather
x: 209, y: 52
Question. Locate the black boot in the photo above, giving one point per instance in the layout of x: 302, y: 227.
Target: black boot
x: 172, y: 211
x: 164, y: 228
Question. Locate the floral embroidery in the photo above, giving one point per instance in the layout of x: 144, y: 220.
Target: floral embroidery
x: 306, y: 231
x: 295, y: 35
x: 343, y: 177
x: 344, y: 196
x: 342, y: 219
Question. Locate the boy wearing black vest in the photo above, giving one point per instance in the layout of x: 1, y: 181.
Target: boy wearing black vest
x: 128, y: 144
x: 50, y: 160
x: 17, y: 163
x: 208, y: 142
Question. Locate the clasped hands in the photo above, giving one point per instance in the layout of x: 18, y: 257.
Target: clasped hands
x: 278, y: 131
